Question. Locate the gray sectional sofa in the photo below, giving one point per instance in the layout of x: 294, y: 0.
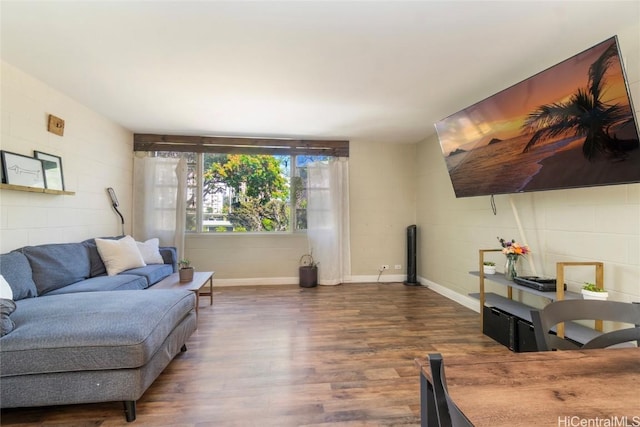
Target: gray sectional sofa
x: 75, y: 339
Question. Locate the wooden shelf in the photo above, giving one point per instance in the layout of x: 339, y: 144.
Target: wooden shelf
x: 574, y: 331
x: 36, y: 190
x: 599, y: 273
x: 499, y: 279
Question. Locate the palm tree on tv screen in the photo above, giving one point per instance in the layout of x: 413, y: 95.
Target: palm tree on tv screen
x: 584, y: 115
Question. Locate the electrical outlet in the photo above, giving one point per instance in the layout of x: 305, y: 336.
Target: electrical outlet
x: 384, y: 267
x: 398, y: 267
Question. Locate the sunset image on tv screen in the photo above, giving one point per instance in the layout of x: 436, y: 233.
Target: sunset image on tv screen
x: 569, y: 126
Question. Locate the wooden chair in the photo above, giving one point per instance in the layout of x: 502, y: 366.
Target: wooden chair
x: 437, y: 409
x: 562, y: 311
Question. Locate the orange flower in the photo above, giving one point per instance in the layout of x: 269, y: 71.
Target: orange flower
x: 512, y: 247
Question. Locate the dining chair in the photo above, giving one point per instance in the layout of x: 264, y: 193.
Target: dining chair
x: 568, y: 310
x: 437, y: 409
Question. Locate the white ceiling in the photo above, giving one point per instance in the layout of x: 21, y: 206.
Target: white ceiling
x: 363, y: 71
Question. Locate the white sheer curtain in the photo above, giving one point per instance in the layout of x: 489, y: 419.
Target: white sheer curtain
x: 159, y: 186
x: 328, y: 219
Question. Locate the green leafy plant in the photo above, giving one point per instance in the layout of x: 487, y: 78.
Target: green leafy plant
x: 489, y: 263
x: 184, y: 263
x: 592, y: 287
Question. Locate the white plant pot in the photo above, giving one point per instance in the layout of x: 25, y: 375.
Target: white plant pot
x: 489, y: 269
x: 586, y: 294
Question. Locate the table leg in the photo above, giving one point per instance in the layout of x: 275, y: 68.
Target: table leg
x: 211, y: 290
x: 197, y: 301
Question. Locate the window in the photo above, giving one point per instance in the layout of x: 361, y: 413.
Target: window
x: 244, y: 184
x: 247, y: 192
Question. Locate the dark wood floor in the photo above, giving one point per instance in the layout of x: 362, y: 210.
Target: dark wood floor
x: 288, y: 356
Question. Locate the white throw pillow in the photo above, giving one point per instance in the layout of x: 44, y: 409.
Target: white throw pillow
x: 119, y: 255
x: 150, y: 251
x: 5, y: 290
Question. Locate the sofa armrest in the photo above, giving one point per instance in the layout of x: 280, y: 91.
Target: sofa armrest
x: 170, y: 256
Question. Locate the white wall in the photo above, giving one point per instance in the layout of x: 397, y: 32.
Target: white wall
x: 96, y: 154
x: 238, y: 259
x: 383, y: 203
x: 589, y: 224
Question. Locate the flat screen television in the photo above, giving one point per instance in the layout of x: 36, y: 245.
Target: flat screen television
x: 569, y: 126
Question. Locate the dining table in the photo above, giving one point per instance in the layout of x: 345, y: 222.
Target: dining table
x: 597, y: 387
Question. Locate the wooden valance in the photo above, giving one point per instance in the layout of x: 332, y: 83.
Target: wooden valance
x: 238, y: 145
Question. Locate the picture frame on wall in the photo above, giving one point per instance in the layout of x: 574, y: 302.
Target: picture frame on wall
x: 54, y: 178
x: 22, y: 170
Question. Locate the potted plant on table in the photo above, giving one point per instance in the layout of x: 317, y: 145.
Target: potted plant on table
x: 489, y: 267
x: 592, y: 291
x: 185, y: 270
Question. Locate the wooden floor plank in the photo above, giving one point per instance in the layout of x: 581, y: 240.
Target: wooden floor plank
x: 289, y: 356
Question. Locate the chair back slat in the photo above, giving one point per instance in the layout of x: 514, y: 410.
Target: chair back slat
x: 570, y: 310
x: 441, y: 409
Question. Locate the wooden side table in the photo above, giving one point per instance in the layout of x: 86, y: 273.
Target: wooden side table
x: 200, y: 280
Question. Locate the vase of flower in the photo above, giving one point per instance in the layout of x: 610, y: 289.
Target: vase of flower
x: 512, y: 251
x: 510, y: 268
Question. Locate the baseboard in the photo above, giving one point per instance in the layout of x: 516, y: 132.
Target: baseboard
x: 466, y: 301
x: 383, y: 278
x: 254, y: 281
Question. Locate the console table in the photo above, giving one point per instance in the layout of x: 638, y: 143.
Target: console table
x: 550, y: 388
x: 575, y: 331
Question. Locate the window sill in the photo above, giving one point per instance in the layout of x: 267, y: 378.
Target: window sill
x: 283, y: 234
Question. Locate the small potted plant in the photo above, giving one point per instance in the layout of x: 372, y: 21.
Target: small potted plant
x: 489, y: 267
x: 185, y: 270
x: 308, y: 271
x: 591, y: 291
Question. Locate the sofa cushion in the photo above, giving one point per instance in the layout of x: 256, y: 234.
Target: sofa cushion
x: 170, y: 256
x: 91, y: 330
x: 97, y: 267
x: 119, y: 255
x: 121, y: 282
x: 5, y: 289
x: 7, y: 306
x: 152, y: 273
x: 150, y: 251
x: 57, y: 265
x: 16, y: 270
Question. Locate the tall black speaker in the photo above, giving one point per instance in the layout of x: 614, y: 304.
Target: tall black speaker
x: 411, y: 256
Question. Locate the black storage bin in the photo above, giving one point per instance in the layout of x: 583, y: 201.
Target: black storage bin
x: 526, y: 336
x: 500, y: 326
